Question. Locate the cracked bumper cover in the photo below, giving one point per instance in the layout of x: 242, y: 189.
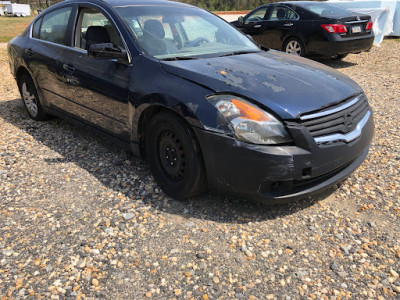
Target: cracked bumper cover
x: 279, y: 174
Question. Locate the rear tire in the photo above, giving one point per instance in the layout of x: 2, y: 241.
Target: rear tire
x: 31, y: 99
x: 294, y: 46
x: 175, y: 157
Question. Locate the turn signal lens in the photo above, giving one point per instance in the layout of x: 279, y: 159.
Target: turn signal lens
x: 334, y: 28
x: 369, y: 25
x: 250, y: 112
x: 250, y: 123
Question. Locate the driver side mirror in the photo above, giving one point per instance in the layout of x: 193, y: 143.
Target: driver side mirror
x: 107, y: 51
x: 241, y: 20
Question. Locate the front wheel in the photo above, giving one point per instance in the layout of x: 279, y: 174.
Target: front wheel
x: 175, y: 157
x: 294, y: 46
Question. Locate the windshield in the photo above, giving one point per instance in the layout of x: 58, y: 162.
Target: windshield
x: 177, y: 32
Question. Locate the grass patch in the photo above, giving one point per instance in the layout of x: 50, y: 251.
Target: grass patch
x: 12, y: 26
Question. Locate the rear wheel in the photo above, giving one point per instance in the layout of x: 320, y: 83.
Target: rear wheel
x: 294, y: 46
x: 31, y: 99
x: 174, y: 156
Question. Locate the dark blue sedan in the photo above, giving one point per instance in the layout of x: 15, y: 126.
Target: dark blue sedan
x: 204, y: 105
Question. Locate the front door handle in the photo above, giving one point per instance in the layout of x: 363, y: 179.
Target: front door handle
x: 68, y: 68
x: 288, y: 24
x: 257, y: 26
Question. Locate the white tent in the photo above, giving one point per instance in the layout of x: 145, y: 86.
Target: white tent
x: 385, y: 14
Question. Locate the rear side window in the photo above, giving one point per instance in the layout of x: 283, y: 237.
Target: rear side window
x: 282, y: 13
x: 36, y: 28
x: 54, y: 26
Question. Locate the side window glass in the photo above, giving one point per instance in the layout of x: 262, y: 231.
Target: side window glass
x: 95, y: 28
x: 257, y: 15
x: 36, y: 28
x: 54, y: 26
x: 282, y: 13
x: 291, y: 15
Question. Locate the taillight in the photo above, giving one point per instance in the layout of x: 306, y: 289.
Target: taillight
x: 334, y: 28
x: 369, y: 25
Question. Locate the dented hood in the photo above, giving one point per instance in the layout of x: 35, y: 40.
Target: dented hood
x: 287, y: 84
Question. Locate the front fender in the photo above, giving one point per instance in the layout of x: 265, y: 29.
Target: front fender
x: 157, y: 89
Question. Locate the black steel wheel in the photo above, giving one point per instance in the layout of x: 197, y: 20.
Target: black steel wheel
x: 174, y: 156
x: 31, y: 99
x: 294, y: 46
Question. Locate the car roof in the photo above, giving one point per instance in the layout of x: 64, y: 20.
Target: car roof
x: 116, y: 3
x: 300, y: 3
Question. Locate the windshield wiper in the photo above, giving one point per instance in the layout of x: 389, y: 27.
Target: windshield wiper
x: 238, y: 52
x: 179, y: 58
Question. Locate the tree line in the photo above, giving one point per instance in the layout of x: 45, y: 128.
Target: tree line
x: 212, y: 5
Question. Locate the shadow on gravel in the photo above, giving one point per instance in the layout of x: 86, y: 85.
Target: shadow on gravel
x: 117, y: 170
x: 335, y: 63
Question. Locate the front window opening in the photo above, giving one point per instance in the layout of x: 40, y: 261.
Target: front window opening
x: 168, y: 32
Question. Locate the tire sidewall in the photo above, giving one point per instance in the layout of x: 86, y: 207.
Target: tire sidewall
x: 298, y: 41
x: 41, y: 115
x: 194, y: 180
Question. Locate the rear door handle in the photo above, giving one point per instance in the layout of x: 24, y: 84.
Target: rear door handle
x: 288, y: 24
x: 257, y: 26
x: 68, y: 68
x: 29, y: 51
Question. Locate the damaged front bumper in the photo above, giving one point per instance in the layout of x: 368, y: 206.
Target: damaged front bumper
x: 279, y: 174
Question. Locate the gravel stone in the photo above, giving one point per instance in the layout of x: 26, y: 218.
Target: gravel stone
x: 81, y: 218
x: 128, y: 216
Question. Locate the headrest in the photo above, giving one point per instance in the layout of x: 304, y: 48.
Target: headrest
x: 154, y: 27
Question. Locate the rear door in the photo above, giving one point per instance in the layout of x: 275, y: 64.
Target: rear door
x: 97, y: 88
x: 280, y: 23
x: 45, y: 53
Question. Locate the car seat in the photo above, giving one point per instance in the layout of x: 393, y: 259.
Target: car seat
x: 96, y: 35
x: 153, y: 37
x: 280, y: 14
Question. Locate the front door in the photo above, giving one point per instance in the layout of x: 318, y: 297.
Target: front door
x: 254, y: 24
x: 98, y: 88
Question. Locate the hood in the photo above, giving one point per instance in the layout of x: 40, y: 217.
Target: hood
x: 286, y: 84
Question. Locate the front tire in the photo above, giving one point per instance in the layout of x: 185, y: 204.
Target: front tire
x: 294, y: 46
x: 31, y: 99
x: 174, y: 156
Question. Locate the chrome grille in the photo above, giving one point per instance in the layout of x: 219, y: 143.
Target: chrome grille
x: 340, y: 122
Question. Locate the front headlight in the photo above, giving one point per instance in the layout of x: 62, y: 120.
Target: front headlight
x: 250, y: 123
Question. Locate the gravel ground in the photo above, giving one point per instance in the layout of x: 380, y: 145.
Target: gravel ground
x: 81, y: 218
